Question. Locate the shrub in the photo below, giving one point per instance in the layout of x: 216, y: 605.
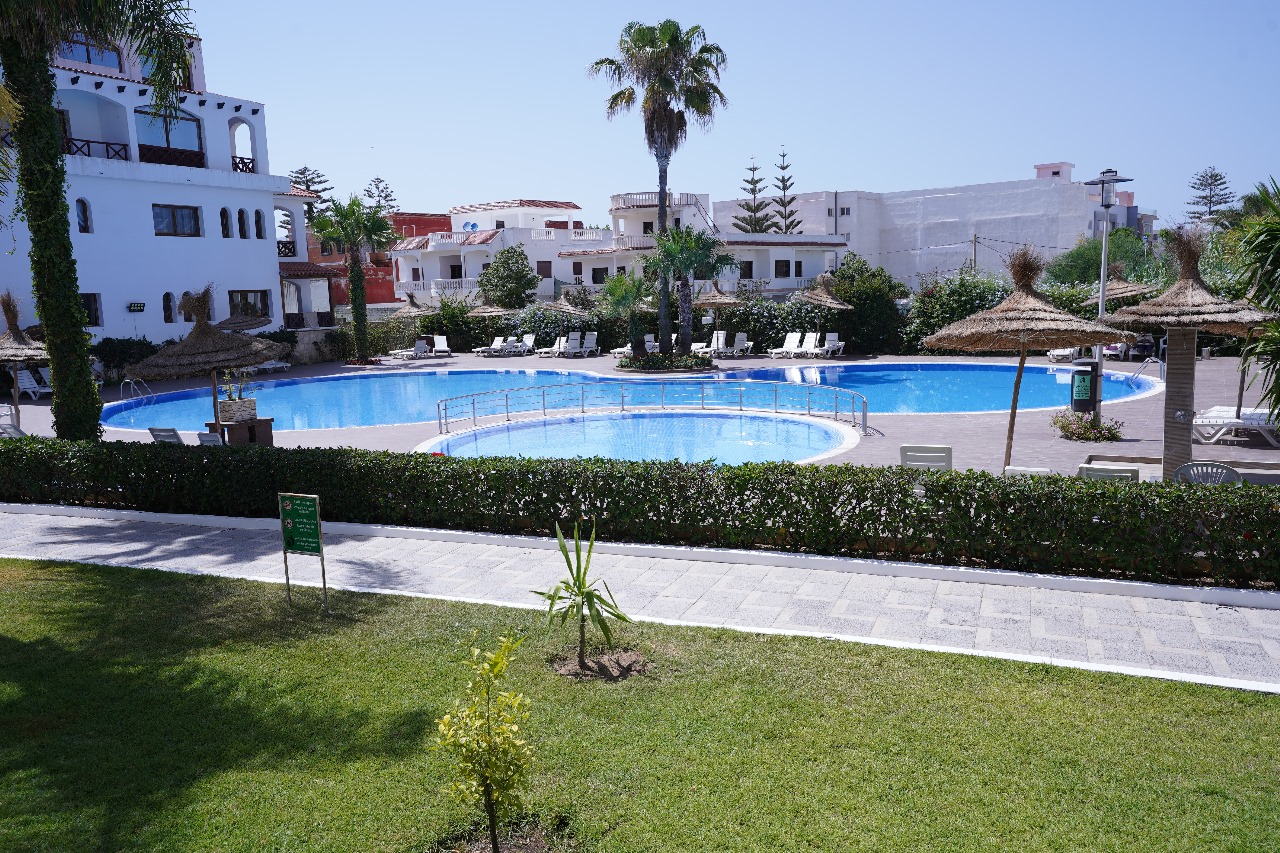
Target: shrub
x: 1149, y: 531
x: 118, y: 353
x: 1079, y: 426
x: 875, y: 324
x: 577, y: 598
x: 509, y: 281
x: 656, y: 361
x: 946, y: 299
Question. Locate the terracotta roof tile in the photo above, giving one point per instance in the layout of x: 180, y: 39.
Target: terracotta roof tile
x: 306, y: 269
x: 518, y: 202
x: 299, y: 192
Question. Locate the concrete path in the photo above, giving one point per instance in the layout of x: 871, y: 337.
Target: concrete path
x: 1141, y: 635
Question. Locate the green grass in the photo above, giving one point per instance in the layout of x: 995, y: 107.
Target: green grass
x: 151, y: 711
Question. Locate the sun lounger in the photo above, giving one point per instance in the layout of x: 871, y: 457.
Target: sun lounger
x: 1116, y: 351
x: 210, y: 438
x: 7, y: 413
x: 833, y: 346
x: 589, y: 345
x: 650, y: 345
x: 440, y: 346
x: 522, y: 347
x: 1064, y: 354
x: 930, y: 457
x: 165, y: 435
x: 808, y: 347
x: 1214, y: 424
x: 572, y: 346
x: 28, y: 384
x: 1109, y: 472
x: 273, y: 366
x: 495, y: 348
x: 1014, y: 471
x: 421, y: 349
x: 553, y: 350
x: 790, y: 345
x: 713, y: 348
x: 10, y: 431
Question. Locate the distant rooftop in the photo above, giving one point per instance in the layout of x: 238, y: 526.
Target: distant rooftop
x: 518, y: 202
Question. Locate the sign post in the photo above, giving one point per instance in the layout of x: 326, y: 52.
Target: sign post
x: 300, y: 528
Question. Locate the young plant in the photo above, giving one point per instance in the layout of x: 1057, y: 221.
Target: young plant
x: 483, y: 736
x: 576, y: 597
x: 1078, y: 426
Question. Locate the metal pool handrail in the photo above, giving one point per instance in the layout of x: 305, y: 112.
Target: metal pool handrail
x: 550, y: 400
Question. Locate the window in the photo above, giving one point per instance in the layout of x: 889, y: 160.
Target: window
x: 326, y: 248
x: 577, y: 267
x: 225, y: 216
x: 83, y: 223
x: 415, y: 273
x: 1057, y: 173
x: 80, y: 49
x: 259, y: 225
x: 92, y: 303
x: 249, y: 303
x: 544, y: 269
x: 166, y: 305
x: 599, y: 274
x: 746, y: 269
x: 455, y: 270
x: 500, y: 223
x: 782, y: 269
x: 844, y: 211
x: 646, y: 228
x: 831, y: 211
x: 242, y: 223
x: 175, y: 220
x: 182, y: 303
x: 181, y: 130
x: 677, y: 221
x: 799, y: 269
x: 622, y: 270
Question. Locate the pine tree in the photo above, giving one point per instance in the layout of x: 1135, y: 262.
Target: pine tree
x: 1213, y: 195
x: 788, y: 219
x: 314, y: 181
x: 379, y: 192
x: 758, y: 219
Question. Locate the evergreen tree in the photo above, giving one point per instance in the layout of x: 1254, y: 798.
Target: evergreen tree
x: 1213, y: 195
x: 510, y: 280
x: 379, y: 192
x: 757, y: 218
x: 314, y: 181
x: 788, y: 220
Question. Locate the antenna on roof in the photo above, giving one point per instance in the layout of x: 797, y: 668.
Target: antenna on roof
x: 475, y: 226
x: 466, y: 226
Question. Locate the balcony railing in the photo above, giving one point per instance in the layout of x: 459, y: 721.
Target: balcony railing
x: 542, y: 233
x: 453, y: 286
x: 586, y: 234
x: 96, y: 148
x: 170, y: 156
x: 449, y: 237
x: 243, y: 164
x: 627, y: 241
x: 649, y: 200
x: 286, y: 249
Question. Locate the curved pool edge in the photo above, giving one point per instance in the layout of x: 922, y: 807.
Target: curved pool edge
x: 849, y: 435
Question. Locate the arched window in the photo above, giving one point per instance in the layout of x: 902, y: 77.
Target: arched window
x: 84, y: 223
x: 242, y: 219
x: 174, y: 140
x: 166, y: 303
x: 259, y: 225
x: 226, y: 222
x: 242, y: 159
x: 187, y: 317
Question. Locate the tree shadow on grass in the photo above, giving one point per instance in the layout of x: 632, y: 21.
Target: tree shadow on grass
x: 112, y: 715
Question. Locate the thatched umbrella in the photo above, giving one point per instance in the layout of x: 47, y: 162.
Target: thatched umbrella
x: 205, y: 350
x: 241, y: 323
x: 820, y: 294
x: 562, y: 306
x: 482, y: 311
x: 1026, y: 320
x: 715, y: 301
x: 16, y: 349
x: 413, y: 310
x: 1181, y: 311
x: 1119, y: 290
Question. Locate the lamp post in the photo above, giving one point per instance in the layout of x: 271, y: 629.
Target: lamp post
x: 1107, y: 180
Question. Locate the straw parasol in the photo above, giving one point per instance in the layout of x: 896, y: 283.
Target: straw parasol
x: 1025, y: 320
x: 17, y: 349
x: 820, y: 294
x: 1182, y: 310
x: 241, y: 323
x: 413, y: 310
x: 1118, y: 290
x: 715, y: 301
x: 205, y: 350
x: 562, y: 306
x: 490, y: 311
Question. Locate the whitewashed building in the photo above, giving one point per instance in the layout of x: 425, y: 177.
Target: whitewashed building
x: 162, y: 207
x: 938, y: 230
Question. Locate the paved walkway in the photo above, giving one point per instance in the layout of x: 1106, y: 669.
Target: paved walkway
x: 1211, y: 644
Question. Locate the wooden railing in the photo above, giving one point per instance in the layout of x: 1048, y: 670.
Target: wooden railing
x: 286, y: 249
x: 96, y: 148
x: 170, y: 156
x: 243, y: 164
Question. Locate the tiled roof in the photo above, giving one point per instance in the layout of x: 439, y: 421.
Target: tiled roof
x: 299, y: 192
x: 730, y: 242
x: 518, y: 202
x: 477, y: 238
x: 409, y: 243
x: 577, y: 253
x: 306, y: 269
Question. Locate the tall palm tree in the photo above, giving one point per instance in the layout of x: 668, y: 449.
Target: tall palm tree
x: 355, y: 225
x: 30, y: 32
x: 675, y: 74
x: 1260, y: 251
x: 684, y: 253
x: 626, y: 294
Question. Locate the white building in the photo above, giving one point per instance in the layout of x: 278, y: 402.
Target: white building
x: 561, y: 250
x: 922, y: 231
x: 162, y: 207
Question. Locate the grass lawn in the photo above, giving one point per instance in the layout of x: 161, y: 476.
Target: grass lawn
x: 142, y: 710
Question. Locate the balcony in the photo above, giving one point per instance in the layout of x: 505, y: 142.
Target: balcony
x: 626, y: 241
x: 591, y: 235
x: 243, y: 164
x: 542, y: 233
x: 170, y: 156
x: 96, y: 148
x: 286, y: 249
x: 443, y: 237
x: 626, y: 200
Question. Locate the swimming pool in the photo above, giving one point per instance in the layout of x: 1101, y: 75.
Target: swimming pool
x: 403, y: 397
x: 727, y: 437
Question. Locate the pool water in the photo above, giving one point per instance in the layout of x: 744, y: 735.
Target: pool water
x: 404, y: 397
x: 729, y: 438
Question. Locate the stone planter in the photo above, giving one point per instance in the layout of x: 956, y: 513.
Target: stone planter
x: 231, y: 411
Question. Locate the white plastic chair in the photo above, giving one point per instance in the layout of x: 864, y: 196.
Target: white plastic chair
x: 1015, y: 471
x: 1208, y: 473
x: 1109, y: 472
x: 28, y: 384
x: 165, y: 435
x: 808, y: 347
x: 790, y: 345
x: 494, y: 348
x: 210, y: 438
x: 440, y: 346
x: 930, y: 457
x: 833, y: 346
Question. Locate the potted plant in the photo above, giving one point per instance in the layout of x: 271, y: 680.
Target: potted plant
x: 235, y: 397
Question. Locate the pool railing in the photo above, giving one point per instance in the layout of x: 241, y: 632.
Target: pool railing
x: 753, y: 395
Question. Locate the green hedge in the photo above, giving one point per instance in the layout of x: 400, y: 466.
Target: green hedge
x: 1063, y: 525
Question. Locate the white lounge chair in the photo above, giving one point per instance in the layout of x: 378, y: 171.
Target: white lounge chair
x: 1063, y: 354
x: 572, y: 346
x: 553, y: 350
x: 11, y: 431
x: 1215, y: 423
x: 523, y: 346
x: 808, y: 347
x: 1109, y: 472
x: 1015, y: 471
x: 28, y: 384
x: 210, y: 438
x: 740, y: 346
x: 930, y: 457
x: 421, y: 349
x: 495, y: 348
x: 1116, y: 351
x: 7, y: 413
x: 165, y: 435
x: 833, y: 346
x: 273, y: 366
x: 715, y: 346
x: 440, y: 346
x: 790, y: 345
x: 650, y: 345
x: 589, y: 345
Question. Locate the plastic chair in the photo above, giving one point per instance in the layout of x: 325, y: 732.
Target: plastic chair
x: 165, y: 435
x: 1109, y: 472
x: 11, y: 431
x: 210, y: 438
x: 1208, y: 473
x: 1014, y: 470
x: 931, y: 457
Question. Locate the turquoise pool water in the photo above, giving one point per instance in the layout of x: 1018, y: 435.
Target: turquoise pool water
x: 730, y: 438
x: 398, y: 397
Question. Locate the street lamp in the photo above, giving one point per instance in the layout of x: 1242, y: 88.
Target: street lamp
x: 1107, y: 179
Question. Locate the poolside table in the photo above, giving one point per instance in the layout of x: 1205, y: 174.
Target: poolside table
x: 253, y: 431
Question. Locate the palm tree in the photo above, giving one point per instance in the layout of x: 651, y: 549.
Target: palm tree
x: 675, y: 74
x: 685, y: 254
x: 30, y: 32
x: 1260, y: 250
x: 626, y: 294
x: 355, y: 225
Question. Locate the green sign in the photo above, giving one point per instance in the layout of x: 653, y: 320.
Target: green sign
x: 1080, y: 383
x: 300, y: 524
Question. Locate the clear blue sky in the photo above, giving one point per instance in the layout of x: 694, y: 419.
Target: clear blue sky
x: 455, y: 103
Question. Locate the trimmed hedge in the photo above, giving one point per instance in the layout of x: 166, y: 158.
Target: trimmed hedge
x: 1145, y: 531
